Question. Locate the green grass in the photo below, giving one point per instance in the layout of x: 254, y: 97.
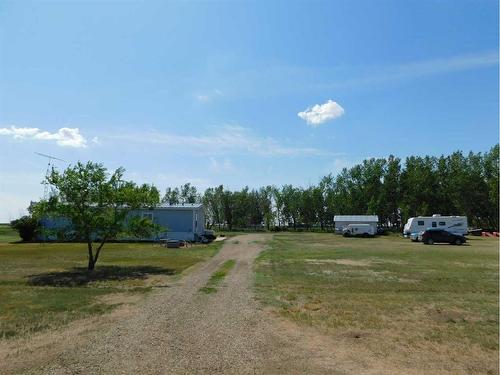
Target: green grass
x: 407, y: 294
x: 46, y: 286
x: 217, y: 277
x: 7, y: 234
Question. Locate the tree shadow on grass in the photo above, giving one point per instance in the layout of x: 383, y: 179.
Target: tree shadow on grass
x: 80, y: 276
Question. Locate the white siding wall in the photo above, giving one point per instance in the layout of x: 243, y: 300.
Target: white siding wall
x: 340, y: 225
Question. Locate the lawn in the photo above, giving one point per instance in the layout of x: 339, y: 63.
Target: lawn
x: 7, y: 234
x: 399, y: 300
x: 44, y: 286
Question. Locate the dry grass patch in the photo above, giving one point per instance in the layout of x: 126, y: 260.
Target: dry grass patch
x: 429, y: 309
x: 43, y: 287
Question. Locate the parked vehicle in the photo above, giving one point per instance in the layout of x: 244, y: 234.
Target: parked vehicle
x: 431, y: 236
x: 365, y: 230
x: 417, y: 236
x: 453, y: 224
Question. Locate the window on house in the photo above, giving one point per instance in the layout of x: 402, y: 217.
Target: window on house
x: 442, y: 223
x: 434, y: 224
x: 421, y: 223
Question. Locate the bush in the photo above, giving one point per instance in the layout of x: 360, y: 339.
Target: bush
x: 26, y: 227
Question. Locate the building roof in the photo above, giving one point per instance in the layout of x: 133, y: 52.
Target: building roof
x: 186, y: 206
x: 357, y: 218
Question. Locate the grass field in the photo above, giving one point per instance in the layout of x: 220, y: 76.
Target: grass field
x: 46, y: 286
x: 434, y: 306
x: 7, y: 234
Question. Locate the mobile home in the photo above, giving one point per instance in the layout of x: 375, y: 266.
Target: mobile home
x: 182, y: 221
x: 453, y: 224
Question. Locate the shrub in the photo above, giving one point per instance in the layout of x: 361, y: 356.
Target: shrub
x: 26, y: 227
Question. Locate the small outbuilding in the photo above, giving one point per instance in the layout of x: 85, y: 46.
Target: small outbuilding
x: 342, y: 221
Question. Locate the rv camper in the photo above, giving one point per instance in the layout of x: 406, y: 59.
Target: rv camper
x: 452, y: 224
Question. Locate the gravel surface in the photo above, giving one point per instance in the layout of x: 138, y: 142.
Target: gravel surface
x: 178, y: 330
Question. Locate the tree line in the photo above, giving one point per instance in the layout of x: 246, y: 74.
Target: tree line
x: 96, y: 203
x: 393, y: 189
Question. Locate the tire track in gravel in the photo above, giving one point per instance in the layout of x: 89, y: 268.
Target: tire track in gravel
x: 179, y: 330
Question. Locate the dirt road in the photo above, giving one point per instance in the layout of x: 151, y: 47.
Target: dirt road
x: 178, y: 330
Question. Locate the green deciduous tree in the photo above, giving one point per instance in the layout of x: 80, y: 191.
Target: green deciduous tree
x: 96, y: 203
x: 143, y: 227
x: 394, y: 190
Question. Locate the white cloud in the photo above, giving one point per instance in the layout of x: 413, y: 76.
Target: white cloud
x: 321, y: 113
x: 223, y: 166
x: 341, y: 163
x: 169, y: 179
x: 379, y: 76
x: 69, y: 137
x: 222, y: 140
x: 203, y: 98
x: 208, y: 96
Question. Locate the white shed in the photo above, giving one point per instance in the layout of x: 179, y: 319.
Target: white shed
x: 341, y: 221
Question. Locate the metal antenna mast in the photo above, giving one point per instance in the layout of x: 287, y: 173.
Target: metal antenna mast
x: 47, y: 173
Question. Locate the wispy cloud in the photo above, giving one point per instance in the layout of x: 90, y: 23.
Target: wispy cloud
x: 209, y: 95
x: 320, y: 113
x: 203, y: 98
x: 272, y: 78
x: 224, y: 139
x: 169, y: 179
x: 447, y: 65
x: 391, y: 74
x: 69, y: 137
x: 221, y: 166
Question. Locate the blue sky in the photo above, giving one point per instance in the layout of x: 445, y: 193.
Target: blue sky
x: 210, y: 92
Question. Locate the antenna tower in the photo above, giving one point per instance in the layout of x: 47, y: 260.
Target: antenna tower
x: 47, y: 173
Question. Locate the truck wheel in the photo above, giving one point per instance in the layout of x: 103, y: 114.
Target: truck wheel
x: 347, y: 234
x: 430, y: 241
x: 458, y: 242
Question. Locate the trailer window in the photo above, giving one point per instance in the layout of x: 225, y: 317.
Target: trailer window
x: 421, y: 223
x: 442, y: 223
x: 434, y: 224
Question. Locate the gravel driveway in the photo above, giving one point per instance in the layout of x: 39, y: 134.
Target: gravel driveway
x: 178, y: 330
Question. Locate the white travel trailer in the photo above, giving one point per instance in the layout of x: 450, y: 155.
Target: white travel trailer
x: 453, y: 224
x: 364, y: 230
